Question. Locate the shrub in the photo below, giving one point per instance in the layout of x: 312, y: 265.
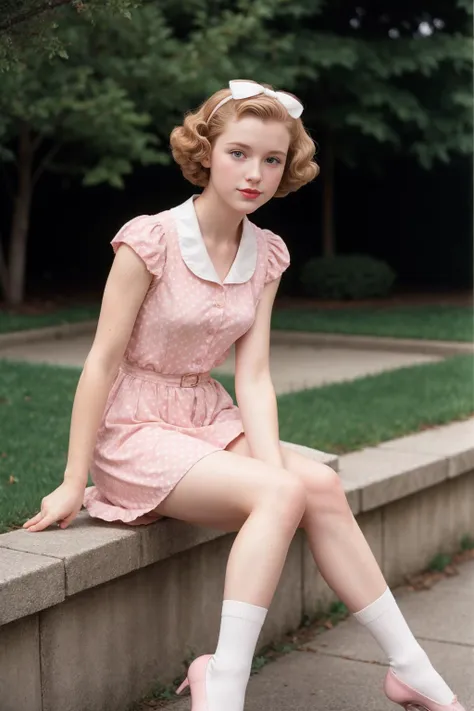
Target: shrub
x: 351, y: 276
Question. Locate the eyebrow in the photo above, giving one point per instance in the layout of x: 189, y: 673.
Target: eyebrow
x: 249, y: 148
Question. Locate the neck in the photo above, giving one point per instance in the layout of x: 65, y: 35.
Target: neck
x: 218, y: 222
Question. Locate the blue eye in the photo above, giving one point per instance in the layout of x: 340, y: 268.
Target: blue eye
x: 240, y: 154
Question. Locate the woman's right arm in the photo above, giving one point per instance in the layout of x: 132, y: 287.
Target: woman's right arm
x: 126, y: 287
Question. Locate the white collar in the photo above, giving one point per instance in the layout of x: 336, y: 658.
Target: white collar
x: 196, y: 256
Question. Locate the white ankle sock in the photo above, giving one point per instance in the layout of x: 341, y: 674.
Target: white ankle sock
x: 384, y: 620
x: 229, y: 669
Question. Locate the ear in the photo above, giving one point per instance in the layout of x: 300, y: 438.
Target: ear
x: 206, y: 163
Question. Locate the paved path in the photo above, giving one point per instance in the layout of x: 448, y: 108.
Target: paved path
x: 293, y: 367
x: 343, y: 669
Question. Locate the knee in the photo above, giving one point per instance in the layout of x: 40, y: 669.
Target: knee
x: 326, y: 491
x: 287, y: 497
x: 330, y: 480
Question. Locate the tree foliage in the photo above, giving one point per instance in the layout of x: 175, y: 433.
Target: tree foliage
x: 102, y: 83
x: 381, y: 78
x: 32, y: 23
x: 111, y: 102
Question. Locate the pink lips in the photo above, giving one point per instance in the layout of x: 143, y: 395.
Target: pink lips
x: 252, y: 194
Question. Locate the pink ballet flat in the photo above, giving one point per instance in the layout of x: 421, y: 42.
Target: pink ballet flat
x: 411, y: 700
x: 196, y: 680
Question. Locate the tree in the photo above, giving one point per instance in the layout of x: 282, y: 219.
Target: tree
x: 377, y: 78
x: 32, y: 23
x: 374, y: 78
x: 64, y: 113
x: 112, y: 103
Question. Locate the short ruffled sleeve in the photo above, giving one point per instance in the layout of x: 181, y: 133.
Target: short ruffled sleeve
x: 278, y: 256
x: 145, y: 235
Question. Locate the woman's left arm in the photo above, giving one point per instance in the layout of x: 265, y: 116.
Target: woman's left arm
x: 253, y: 383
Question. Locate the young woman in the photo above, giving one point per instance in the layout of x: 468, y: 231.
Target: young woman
x: 162, y: 438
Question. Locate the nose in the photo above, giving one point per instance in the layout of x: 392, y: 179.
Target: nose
x: 254, y: 173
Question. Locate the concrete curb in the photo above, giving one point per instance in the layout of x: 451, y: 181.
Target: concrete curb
x: 94, y: 552
x: 379, y: 343
x: 65, y: 330
x: 292, y: 338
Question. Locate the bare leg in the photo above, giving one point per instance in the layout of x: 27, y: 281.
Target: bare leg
x: 235, y: 492
x: 339, y: 547
x: 348, y: 565
x: 344, y: 558
x: 266, y: 504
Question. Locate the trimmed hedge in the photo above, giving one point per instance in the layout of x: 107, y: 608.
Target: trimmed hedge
x: 352, y: 276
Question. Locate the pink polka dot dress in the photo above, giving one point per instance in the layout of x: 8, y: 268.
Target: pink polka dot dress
x: 164, y: 411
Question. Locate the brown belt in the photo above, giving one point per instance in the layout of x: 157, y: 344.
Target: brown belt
x: 189, y: 380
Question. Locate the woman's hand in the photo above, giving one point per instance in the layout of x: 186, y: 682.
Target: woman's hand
x: 62, y: 505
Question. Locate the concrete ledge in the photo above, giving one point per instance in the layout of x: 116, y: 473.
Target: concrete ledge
x: 330, y: 340
x: 381, y: 476
x: 67, y: 598
x: 28, y: 583
x: 30, y: 335
x: 376, y: 476
x: 376, y: 343
x: 91, y: 552
x: 454, y: 441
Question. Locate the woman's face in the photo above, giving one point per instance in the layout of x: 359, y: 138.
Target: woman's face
x: 249, y: 155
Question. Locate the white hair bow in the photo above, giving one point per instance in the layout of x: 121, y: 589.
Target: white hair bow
x: 242, y: 89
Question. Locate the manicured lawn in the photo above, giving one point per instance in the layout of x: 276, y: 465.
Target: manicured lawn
x: 36, y: 401
x: 343, y: 417
x: 445, y: 323
x: 21, y: 322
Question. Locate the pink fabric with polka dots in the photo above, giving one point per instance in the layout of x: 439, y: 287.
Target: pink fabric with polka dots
x: 152, y: 432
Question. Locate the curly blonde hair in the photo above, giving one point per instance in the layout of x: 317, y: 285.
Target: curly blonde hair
x: 192, y: 142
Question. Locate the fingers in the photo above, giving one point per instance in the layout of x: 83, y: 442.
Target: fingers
x: 40, y: 522
x: 43, y: 520
x: 65, y: 523
x: 33, y: 520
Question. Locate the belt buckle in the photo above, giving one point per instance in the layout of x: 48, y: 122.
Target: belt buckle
x: 185, y: 383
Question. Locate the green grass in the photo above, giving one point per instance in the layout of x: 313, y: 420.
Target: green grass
x: 445, y: 323
x: 21, y: 322
x: 36, y: 401
x: 343, y: 417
